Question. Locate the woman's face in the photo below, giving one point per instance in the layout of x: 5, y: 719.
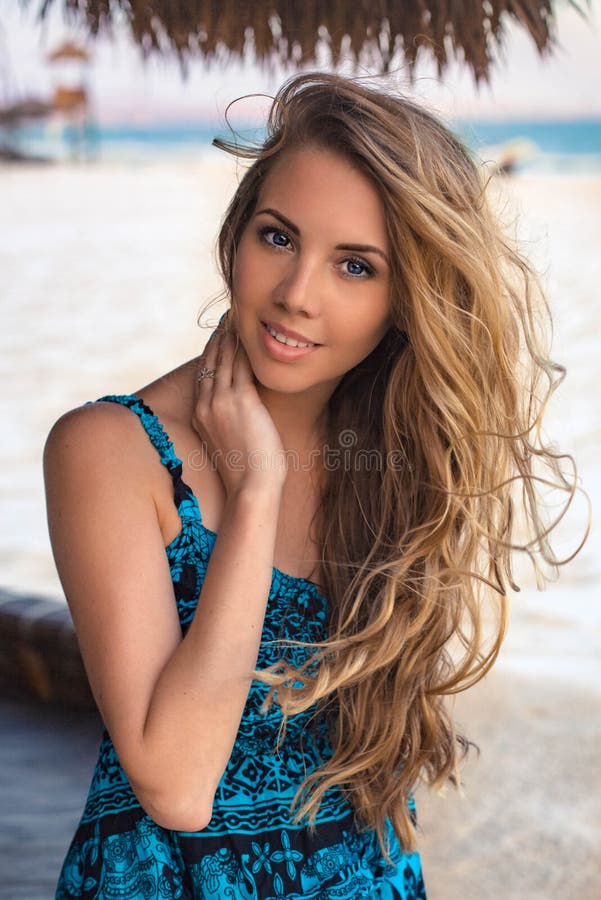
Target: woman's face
x: 312, y: 260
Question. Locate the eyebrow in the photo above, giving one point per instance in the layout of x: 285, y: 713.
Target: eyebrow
x: 354, y: 248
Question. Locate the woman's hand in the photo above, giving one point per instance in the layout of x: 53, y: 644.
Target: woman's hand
x: 239, y: 435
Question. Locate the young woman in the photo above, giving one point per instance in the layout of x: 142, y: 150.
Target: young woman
x: 279, y: 556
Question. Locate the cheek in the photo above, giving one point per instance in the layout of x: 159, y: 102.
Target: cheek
x: 369, y: 328
x: 238, y: 276
x: 248, y: 274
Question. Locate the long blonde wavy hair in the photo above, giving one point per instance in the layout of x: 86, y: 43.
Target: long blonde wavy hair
x: 416, y: 553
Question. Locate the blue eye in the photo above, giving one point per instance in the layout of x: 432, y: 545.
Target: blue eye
x: 275, y: 237
x: 356, y: 268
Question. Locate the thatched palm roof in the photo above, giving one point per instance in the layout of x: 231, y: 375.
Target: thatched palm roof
x: 393, y: 32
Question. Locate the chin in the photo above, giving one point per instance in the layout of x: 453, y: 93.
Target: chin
x: 279, y: 385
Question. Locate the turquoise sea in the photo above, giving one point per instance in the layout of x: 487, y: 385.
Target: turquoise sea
x: 562, y: 146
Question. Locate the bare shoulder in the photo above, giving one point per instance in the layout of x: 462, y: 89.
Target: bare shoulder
x: 101, y: 449
x: 94, y: 434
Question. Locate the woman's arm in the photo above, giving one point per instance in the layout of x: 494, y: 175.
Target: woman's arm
x: 171, y: 705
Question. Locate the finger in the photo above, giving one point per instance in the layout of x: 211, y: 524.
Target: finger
x: 222, y: 327
x: 209, y: 346
x: 224, y: 363
x: 242, y: 373
x: 208, y: 361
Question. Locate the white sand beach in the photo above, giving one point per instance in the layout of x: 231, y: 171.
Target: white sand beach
x: 103, y: 270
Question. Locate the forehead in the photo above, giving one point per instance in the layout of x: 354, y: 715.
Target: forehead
x: 313, y: 186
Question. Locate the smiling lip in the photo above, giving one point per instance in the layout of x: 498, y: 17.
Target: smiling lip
x: 282, y: 352
x: 287, y: 332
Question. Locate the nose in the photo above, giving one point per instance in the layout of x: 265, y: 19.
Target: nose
x: 300, y: 290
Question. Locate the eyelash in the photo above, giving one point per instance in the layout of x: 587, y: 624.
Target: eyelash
x: 269, y: 229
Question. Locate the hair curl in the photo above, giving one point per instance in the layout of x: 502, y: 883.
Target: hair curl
x: 415, y: 553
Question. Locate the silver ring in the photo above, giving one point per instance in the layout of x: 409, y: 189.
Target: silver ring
x: 206, y: 373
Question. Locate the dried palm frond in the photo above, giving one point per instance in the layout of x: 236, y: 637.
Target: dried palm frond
x: 390, y: 32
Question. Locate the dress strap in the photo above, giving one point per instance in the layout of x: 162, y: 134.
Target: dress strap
x: 151, y: 426
x: 184, y: 499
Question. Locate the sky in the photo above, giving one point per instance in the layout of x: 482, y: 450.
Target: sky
x: 125, y: 90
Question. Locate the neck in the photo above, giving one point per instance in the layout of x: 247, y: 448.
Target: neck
x: 299, y: 418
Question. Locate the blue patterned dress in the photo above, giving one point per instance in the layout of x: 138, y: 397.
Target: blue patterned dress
x: 251, y: 849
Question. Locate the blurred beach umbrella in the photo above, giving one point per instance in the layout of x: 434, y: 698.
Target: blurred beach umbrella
x: 70, y: 51
x: 383, y: 33
x: 70, y: 94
